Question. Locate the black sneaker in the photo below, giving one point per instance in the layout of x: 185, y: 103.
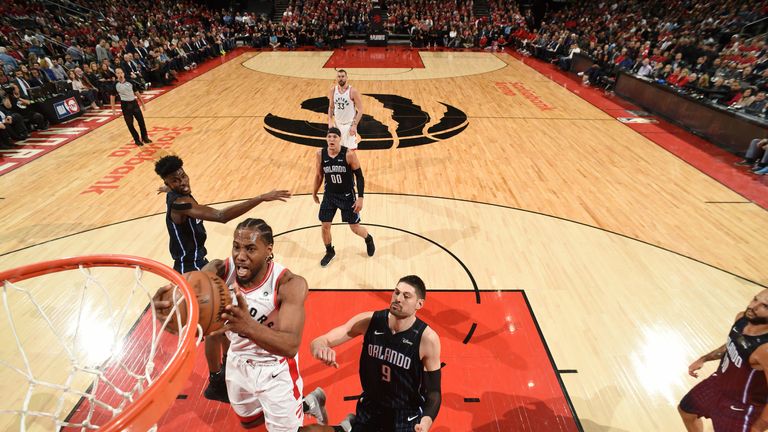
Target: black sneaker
x: 217, y: 388
x: 744, y: 163
x: 369, y: 246
x: 147, y: 140
x: 329, y: 254
x: 138, y: 143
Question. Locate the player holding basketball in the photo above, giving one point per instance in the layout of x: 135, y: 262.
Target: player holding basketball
x: 184, y: 220
x: 735, y: 395
x: 264, y: 325
x: 399, y: 364
x: 345, y: 109
x: 336, y: 165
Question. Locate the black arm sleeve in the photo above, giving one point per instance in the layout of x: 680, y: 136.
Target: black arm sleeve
x: 360, y: 181
x: 434, y: 396
x: 181, y: 206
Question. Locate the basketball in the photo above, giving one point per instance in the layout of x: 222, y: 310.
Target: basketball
x: 212, y: 297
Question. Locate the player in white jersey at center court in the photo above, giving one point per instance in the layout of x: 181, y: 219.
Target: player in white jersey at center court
x: 264, y: 325
x: 345, y: 109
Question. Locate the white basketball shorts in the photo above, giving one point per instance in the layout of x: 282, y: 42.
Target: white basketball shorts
x: 272, y: 390
x: 347, y: 140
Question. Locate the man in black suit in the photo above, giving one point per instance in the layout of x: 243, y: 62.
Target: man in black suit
x: 190, y: 50
x: 130, y: 45
x: 14, y: 122
x: 133, y: 71
x: 23, y: 106
x: 36, y: 79
x: 140, y: 54
x: 22, y: 84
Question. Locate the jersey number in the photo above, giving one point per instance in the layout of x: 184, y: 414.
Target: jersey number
x: 386, y: 373
x: 725, y: 364
x: 336, y: 178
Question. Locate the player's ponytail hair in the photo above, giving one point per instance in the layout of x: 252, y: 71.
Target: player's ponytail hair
x: 265, y: 231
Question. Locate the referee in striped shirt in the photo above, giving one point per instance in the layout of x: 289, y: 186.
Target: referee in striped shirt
x: 129, y: 103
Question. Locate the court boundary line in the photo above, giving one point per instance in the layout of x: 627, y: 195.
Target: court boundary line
x: 606, y: 230
x: 475, y: 287
x: 552, y: 362
x: 715, y: 165
x: 206, y: 67
x: 405, y: 116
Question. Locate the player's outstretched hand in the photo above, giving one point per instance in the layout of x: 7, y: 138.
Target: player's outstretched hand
x: 314, y: 197
x: 694, y: 367
x: 162, y: 307
x: 237, y: 318
x: 326, y: 355
x: 424, y: 424
x: 358, y: 205
x: 276, y: 195
x: 163, y: 189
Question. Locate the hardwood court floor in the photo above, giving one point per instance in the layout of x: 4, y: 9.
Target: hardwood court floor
x: 630, y: 268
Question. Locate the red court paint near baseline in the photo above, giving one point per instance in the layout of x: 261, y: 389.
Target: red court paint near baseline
x: 504, y: 365
x: 698, y: 152
x: 374, y: 57
x: 44, y: 142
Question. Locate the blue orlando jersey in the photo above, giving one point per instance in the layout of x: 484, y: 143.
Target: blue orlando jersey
x: 339, y: 178
x: 391, y: 370
x: 187, y: 239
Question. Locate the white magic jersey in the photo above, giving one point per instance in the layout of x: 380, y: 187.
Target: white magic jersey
x: 344, y: 106
x: 262, y: 304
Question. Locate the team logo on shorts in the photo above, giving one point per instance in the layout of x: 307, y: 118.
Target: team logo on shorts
x: 414, y: 125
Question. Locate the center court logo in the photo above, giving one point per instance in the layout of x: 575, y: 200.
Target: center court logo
x: 412, y: 125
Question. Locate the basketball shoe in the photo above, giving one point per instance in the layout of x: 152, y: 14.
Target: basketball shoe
x: 217, y: 386
x: 314, y: 405
x: 346, y: 424
x: 330, y: 252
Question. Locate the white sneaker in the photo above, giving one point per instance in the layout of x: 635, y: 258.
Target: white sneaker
x: 316, y: 403
x: 346, y: 424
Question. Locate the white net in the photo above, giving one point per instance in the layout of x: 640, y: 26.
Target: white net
x: 81, y: 345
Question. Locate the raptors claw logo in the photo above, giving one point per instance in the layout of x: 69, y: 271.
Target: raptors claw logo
x: 410, y: 118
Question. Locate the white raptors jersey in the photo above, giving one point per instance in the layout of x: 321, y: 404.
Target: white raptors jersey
x: 344, y: 106
x: 262, y: 304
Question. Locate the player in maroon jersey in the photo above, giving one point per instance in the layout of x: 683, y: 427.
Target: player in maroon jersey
x: 734, y: 397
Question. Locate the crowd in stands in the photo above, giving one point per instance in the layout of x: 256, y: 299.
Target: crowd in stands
x: 427, y: 24
x: 693, y: 46
x: 81, y: 44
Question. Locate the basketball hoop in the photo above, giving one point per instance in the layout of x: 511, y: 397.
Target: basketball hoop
x: 145, y: 367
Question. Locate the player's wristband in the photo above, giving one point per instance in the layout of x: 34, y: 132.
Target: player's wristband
x: 433, y: 393
x: 360, y: 182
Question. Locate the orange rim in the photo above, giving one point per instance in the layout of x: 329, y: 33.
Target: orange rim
x: 152, y: 404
